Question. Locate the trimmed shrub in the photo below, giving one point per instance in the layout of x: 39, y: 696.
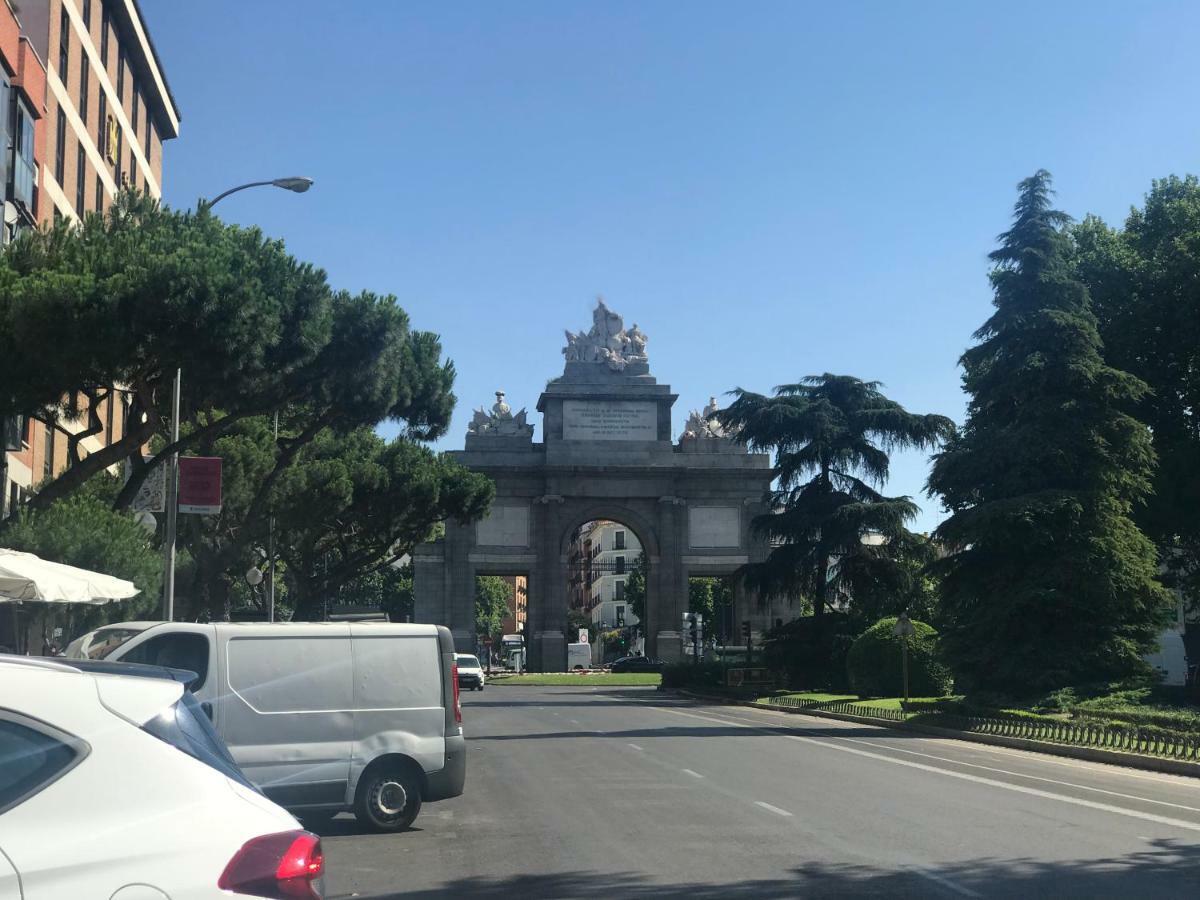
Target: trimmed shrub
x: 706, y: 674
x: 810, y: 653
x: 874, y: 664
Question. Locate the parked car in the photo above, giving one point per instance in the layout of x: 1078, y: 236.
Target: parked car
x: 637, y: 664
x: 325, y: 716
x: 470, y: 672
x: 123, y: 772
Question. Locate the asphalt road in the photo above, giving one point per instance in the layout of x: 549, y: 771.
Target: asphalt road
x: 587, y: 793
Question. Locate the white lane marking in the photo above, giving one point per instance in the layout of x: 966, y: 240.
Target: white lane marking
x: 1071, y: 784
x: 774, y: 809
x: 1097, y: 768
x: 635, y: 746
x: 944, y: 882
x: 964, y: 776
x: 690, y: 772
x: 1082, y: 787
x: 573, y: 721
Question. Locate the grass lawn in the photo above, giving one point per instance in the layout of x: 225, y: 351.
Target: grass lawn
x: 603, y: 679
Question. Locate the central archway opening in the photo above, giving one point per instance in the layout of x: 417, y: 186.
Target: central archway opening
x: 607, y: 594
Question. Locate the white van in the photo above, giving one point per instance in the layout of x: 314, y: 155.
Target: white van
x: 1170, y: 662
x: 323, y: 716
x: 579, y: 656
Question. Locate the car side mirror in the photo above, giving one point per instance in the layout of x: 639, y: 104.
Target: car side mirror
x: 207, y: 707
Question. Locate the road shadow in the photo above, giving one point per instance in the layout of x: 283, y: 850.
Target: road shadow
x: 674, y: 731
x: 1167, y: 868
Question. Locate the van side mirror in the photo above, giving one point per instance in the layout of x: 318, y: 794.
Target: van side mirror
x: 207, y: 707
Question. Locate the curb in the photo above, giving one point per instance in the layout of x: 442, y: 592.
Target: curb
x: 1090, y: 754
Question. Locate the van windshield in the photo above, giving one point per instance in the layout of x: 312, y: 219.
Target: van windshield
x: 101, y: 642
x: 468, y: 662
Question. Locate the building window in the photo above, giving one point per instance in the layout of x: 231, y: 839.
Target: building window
x: 104, y: 26
x: 117, y: 158
x: 87, y: 14
x: 48, y: 462
x: 619, y: 540
x: 99, y: 193
x: 620, y: 616
x: 619, y: 591
x: 102, y: 123
x: 64, y: 44
x: 84, y: 87
x: 60, y: 147
x: 120, y: 77
x: 80, y: 175
x: 137, y: 103
x: 23, y: 168
x: 620, y: 565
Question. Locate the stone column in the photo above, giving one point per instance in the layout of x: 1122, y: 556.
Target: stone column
x: 670, y: 583
x: 460, y: 586
x: 546, y: 637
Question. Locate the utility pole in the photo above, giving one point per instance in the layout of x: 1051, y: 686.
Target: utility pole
x: 172, y: 507
x: 271, y: 547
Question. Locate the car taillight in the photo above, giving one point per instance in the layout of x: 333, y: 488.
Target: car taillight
x: 457, y: 701
x: 282, y: 866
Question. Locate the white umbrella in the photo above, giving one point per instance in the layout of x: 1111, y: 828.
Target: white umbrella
x: 24, y: 576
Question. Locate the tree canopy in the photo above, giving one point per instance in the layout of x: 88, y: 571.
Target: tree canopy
x: 1144, y: 281
x: 492, y: 597
x: 120, y: 302
x: 831, y: 436
x: 1049, y: 581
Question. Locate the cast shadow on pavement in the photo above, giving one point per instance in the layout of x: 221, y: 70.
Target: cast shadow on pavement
x: 701, y: 731
x: 1165, y: 868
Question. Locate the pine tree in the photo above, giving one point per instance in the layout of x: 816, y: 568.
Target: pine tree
x: 1048, y: 582
x: 831, y: 435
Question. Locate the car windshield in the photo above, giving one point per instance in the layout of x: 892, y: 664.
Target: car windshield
x: 468, y: 662
x: 186, y: 727
x: 101, y: 642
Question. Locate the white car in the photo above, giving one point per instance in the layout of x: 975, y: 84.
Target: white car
x: 116, y: 787
x: 470, y: 672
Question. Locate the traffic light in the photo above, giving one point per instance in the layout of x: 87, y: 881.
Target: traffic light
x: 746, y: 629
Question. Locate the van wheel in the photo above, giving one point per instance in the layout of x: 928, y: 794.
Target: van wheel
x: 388, y: 799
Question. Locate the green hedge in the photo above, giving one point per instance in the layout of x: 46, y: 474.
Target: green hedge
x: 874, y: 662
x: 1178, y: 720
x: 704, y: 674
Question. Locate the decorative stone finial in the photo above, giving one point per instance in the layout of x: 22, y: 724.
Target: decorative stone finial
x: 607, y: 343
x: 500, y: 421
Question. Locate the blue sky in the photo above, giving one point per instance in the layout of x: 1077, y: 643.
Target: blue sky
x: 769, y: 190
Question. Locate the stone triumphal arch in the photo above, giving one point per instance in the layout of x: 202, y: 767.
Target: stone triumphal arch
x: 606, y: 453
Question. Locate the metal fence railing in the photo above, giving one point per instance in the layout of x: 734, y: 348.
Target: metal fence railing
x: 1149, y: 741
x: 845, y: 707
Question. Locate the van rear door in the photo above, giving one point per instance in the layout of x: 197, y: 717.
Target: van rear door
x: 397, y: 697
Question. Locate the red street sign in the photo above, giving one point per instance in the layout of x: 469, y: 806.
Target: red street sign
x: 200, y: 485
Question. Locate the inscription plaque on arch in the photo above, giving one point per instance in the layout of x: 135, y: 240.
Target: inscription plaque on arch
x: 610, y: 420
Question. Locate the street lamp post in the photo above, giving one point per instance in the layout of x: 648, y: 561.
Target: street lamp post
x: 298, y: 184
